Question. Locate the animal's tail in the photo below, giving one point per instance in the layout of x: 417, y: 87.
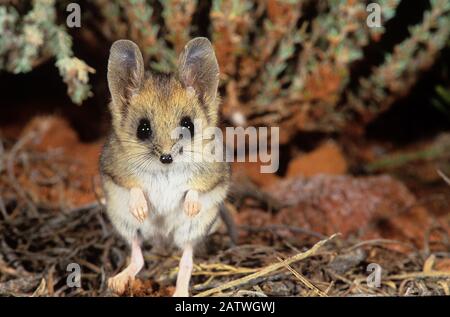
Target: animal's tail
x: 229, y: 223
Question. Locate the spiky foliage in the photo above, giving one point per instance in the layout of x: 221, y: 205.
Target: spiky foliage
x: 28, y: 39
x: 284, y: 62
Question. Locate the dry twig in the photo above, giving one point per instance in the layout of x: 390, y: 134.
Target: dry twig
x: 268, y: 269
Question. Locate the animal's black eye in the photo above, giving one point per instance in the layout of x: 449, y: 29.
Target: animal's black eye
x: 144, y: 130
x: 186, y: 123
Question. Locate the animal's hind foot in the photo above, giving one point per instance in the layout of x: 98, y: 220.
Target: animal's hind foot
x: 119, y: 283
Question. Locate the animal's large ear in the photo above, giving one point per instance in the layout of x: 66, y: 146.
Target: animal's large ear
x: 125, y: 70
x: 198, y: 68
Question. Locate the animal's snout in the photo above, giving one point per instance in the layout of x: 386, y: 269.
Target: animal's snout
x: 166, y: 158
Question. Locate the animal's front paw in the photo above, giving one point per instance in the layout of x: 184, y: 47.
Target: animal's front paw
x: 191, y: 204
x: 138, y: 204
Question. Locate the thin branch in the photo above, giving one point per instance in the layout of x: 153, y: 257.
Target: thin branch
x: 444, y: 177
x: 268, y: 269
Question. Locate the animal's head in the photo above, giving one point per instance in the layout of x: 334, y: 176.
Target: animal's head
x: 147, y: 110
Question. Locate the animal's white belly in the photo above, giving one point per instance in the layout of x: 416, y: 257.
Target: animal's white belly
x: 167, y: 220
x: 165, y: 192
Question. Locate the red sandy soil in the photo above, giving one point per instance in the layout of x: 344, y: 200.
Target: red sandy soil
x: 55, y: 134
x: 326, y: 159
x: 370, y: 207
